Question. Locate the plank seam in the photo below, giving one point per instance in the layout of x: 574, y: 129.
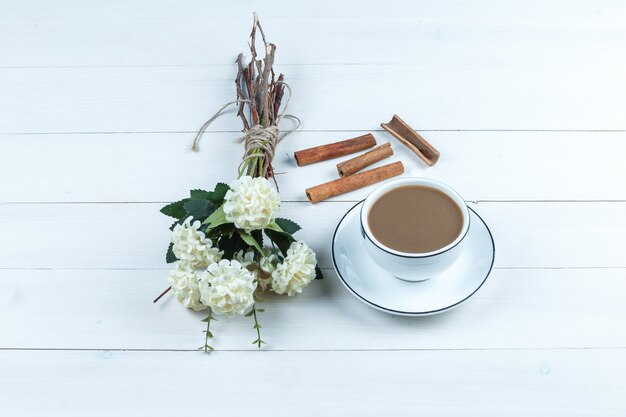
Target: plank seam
x: 52, y: 349
x: 191, y: 132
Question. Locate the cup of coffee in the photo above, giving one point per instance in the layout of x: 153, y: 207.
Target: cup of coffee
x: 414, y: 227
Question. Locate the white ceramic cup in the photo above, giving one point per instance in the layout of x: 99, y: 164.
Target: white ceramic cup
x: 412, y: 266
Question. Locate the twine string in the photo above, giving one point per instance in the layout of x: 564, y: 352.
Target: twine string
x: 196, y: 140
x: 257, y: 137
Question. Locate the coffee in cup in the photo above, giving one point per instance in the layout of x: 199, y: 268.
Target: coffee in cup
x: 415, y: 219
x: 414, y: 227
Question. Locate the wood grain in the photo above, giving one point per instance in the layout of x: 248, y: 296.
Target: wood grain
x: 79, y: 168
x: 434, y: 383
x: 537, y: 96
x: 446, y: 32
x: 113, y: 309
x: 527, y: 235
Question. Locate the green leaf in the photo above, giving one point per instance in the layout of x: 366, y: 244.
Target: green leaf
x: 287, y: 225
x: 249, y: 314
x: 216, y: 197
x: 275, y: 227
x: 169, y: 256
x: 219, y: 193
x: 231, y: 245
x: 260, y: 310
x: 208, y: 318
x: 199, y: 209
x: 225, y: 229
x: 318, y: 273
x: 258, y: 236
x: 200, y: 194
x: 206, y: 348
x: 281, y: 239
x: 175, y: 210
x: 217, y: 218
x: 250, y: 240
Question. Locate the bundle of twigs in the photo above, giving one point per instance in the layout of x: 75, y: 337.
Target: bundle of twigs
x: 261, y: 93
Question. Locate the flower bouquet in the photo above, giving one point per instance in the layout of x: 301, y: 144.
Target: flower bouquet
x: 228, y: 245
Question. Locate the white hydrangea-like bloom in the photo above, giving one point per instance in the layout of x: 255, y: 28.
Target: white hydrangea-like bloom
x: 268, y: 261
x: 184, y: 282
x: 245, y: 259
x: 296, y: 270
x: 192, y: 247
x: 228, y: 288
x: 251, y: 203
x: 262, y: 269
x: 267, y: 265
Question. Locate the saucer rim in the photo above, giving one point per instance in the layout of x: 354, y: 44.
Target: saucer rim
x: 410, y: 313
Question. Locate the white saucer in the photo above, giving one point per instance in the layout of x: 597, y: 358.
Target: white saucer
x: 379, y: 289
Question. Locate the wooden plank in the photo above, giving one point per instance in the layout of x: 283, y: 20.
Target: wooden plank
x: 481, y: 383
x: 113, y: 309
x: 333, y: 97
x: 161, y: 167
x: 550, y: 235
x: 199, y: 10
x: 417, y: 38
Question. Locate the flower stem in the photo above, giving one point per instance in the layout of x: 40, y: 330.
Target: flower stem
x: 162, y: 294
x: 207, y: 333
x: 257, y: 326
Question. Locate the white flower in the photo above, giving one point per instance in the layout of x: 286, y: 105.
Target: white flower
x: 184, y: 282
x: 268, y: 261
x: 296, y: 271
x: 245, y: 259
x: 192, y: 247
x: 262, y: 269
x: 251, y: 203
x: 228, y: 288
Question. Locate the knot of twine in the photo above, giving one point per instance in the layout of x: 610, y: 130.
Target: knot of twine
x: 257, y: 137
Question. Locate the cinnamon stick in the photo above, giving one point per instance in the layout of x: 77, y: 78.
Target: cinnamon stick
x: 357, y: 163
x: 334, y: 150
x: 413, y: 140
x: 353, y: 182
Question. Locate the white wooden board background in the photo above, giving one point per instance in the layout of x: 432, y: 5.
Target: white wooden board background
x: 98, y: 105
